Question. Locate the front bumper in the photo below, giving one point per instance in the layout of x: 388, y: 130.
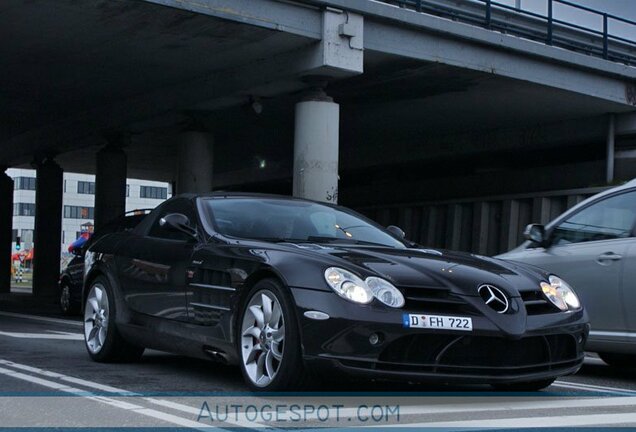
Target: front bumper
x: 515, y: 348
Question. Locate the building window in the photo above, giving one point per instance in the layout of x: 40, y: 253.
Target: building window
x: 153, y: 192
x: 77, y: 212
x: 84, y: 187
x: 24, y: 183
x: 23, y: 209
x: 27, y: 236
x: 127, y: 190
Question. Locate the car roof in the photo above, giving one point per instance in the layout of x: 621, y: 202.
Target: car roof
x: 628, y: 185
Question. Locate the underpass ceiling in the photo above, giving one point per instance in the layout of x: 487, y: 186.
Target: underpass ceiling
x: 391, y: 114
x: 75, y: 55
x: 89, y: 54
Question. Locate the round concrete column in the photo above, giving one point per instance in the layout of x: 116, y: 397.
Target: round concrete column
x: 110, y: 185
x: 6, y: 234
x: 48, y: 229
x: 194, y: 170
x: 316, y: 148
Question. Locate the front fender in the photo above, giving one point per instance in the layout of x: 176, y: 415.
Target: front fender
x: 102, y: 265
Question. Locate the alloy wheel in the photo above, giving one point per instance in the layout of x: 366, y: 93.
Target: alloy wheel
x: 96, y: 318
x: 262, y: 337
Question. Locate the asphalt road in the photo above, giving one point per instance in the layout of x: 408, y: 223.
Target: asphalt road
x: 47, y: 379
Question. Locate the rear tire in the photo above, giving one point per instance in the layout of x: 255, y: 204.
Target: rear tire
x: 527, y: 386
x: 101, y: 337
x: 618, y: 360
x: 268, y: 339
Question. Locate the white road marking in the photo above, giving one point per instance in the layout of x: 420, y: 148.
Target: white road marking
x: 529, y: 422
x: 496, y: 405
x: 594, y: 360
x: 67, y: 336
x: 61, y: 377
x: 40, y: 318
x: 106, y: 388
x: 592, y: 387
x: 159, y: 415
x: 499, y: 406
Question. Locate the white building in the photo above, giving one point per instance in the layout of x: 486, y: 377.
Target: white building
x: 78, y: 203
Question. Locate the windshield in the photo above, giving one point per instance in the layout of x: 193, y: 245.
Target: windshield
x: 273, y: 219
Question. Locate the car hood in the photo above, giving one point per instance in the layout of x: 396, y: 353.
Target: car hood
x: 461, y: 272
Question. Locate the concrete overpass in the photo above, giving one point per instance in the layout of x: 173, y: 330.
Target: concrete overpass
x: 330, y: 98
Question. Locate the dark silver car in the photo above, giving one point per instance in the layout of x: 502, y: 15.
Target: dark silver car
x: 593, y: 247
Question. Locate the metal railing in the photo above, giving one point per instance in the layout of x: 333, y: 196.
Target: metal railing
x: 546, y: 28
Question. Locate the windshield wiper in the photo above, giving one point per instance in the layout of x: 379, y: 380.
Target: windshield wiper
x: 325, y: 239
x: 316, y: 239
x: 278, y: 239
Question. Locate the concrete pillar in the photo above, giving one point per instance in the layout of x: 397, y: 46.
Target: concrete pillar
x: 6, y: 226
x: 194, y: 169
x: 611, y: 137
x: 316, y: 148
x: 110, y: 184
x: 48, y: 229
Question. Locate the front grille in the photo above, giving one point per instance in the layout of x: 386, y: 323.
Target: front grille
x: 435, y: 300
x: 536, y: 303
x: 480, y: 355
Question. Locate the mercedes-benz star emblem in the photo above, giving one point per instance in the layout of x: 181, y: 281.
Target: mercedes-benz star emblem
x: 494, y: 297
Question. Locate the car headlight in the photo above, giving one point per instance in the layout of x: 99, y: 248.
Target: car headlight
x: 385, y: 292
x: 348, y: 286
x: 560, y: 293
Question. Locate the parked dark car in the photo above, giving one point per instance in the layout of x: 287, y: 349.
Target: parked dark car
x: 288, y: 288
x: 72, y: 277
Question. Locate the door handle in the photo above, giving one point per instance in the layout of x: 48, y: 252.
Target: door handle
x: 605, y: 258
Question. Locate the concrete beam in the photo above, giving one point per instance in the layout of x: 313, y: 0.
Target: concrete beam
x: 274, y: 15
x: 415, y: 35
x: 6, y: 231
x: 516, y: 64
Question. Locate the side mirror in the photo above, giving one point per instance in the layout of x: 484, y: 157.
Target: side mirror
x: 535, y: 233
x: 396, y: 231
x: 178, y: 222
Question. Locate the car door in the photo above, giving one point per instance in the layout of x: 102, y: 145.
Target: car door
x: 153, y: 264
x: 629, y: 290
x: 588, y: 249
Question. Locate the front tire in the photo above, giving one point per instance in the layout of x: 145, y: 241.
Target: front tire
x: 527, y: 386
x: 268, y: 339
x: 102, y: 339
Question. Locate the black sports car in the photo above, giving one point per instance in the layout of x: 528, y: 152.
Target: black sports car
x: 289, y: 288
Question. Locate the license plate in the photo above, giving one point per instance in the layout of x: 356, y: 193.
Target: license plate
x: 435, y: 322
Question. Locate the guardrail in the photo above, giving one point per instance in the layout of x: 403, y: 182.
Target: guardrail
x: 546, y: 28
